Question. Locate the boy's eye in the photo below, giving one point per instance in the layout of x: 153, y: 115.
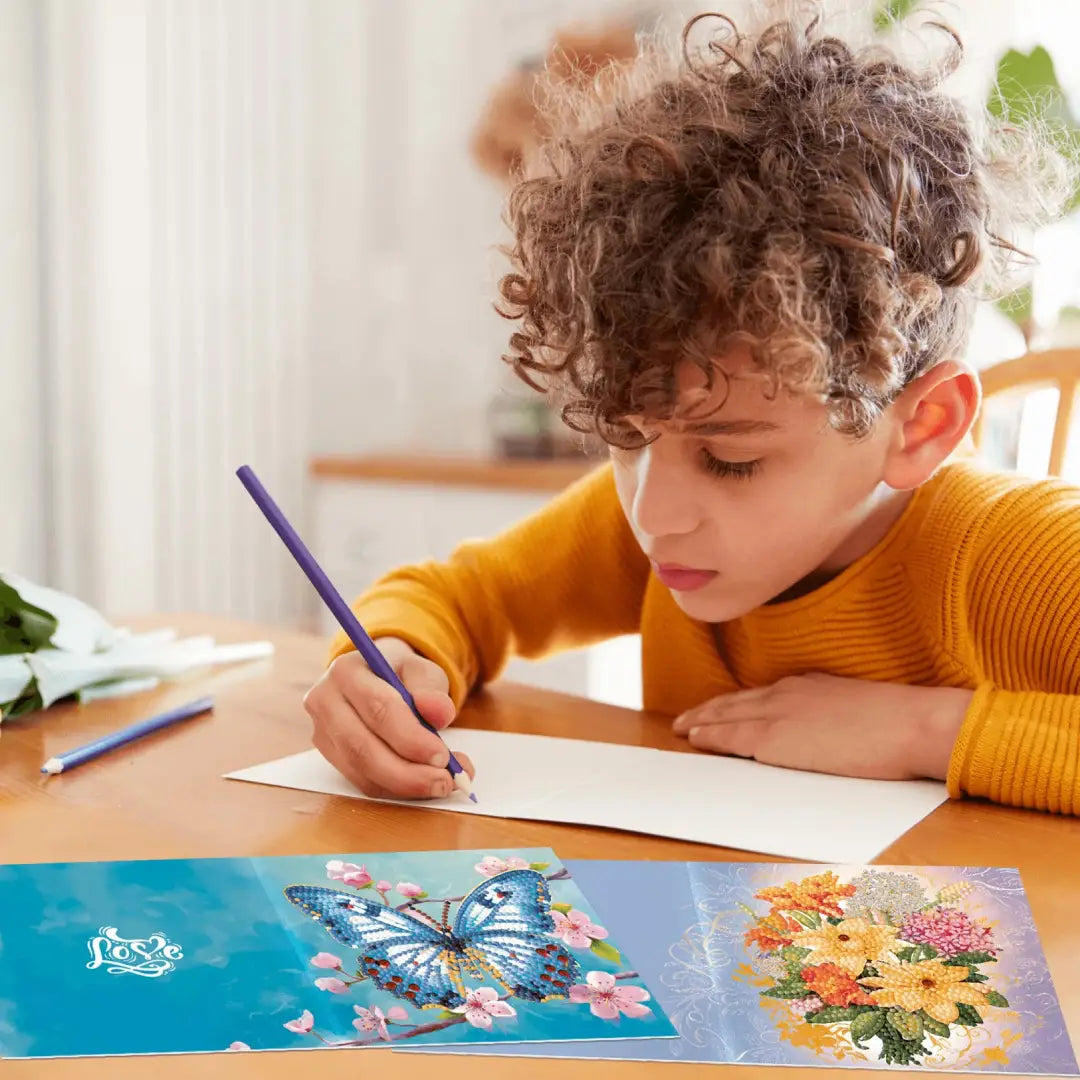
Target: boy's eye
x: 738, y: 470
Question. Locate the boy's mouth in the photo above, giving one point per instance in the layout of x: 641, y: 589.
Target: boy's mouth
x: 682, y: 578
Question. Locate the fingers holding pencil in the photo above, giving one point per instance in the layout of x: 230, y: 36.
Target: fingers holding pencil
x: 366, y: 731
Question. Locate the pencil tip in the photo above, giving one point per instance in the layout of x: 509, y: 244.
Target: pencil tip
x: 473, y: 797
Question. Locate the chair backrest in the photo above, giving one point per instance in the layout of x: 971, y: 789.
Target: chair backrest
x: 1056, y: 367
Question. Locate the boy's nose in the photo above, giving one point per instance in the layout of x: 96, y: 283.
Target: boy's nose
x: 663, y: 504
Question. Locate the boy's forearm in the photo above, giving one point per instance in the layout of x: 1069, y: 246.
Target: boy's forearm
x: 1020, y: 748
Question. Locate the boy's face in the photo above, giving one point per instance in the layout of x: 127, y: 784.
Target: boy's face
x: 738, y: 506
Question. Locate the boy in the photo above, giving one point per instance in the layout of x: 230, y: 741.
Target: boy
x: 751, y: 272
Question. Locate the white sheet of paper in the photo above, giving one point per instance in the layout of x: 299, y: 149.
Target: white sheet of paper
x: 727, y: 802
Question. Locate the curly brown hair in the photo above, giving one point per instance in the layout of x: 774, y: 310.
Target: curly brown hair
x: 828, y: 205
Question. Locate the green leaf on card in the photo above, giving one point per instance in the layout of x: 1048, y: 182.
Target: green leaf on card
x: 935, y: 1027
x: 994, y: 998
x: 605, y: 951
x: 564, y: 908
x: 866, y: 1025
x: 538, y: 866
x: 969, y: 1017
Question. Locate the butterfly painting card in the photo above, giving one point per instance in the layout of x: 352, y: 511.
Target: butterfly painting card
x: 282, y: 953
x: 868, y: 967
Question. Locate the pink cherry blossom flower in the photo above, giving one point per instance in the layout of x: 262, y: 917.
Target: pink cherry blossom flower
x: 348, y: 873
x: 303, y: 1025
x: 374, y: 1019
x: 407, y: 888
x: 239, y: 1046
x: 383, y: 886
x: 607, y: 999
x: 333, y: 986
x: 481, y: 1005
x: 326, y: 960
x: 576, y: 929
x: 490, y: 865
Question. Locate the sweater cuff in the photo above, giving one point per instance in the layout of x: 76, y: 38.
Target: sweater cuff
x: 423, y: 631
x: 1020, y: 748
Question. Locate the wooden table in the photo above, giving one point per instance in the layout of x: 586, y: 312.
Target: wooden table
x: 164, y: 797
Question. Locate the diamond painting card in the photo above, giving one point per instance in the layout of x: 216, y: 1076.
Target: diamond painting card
x: 811, y: 965
x: 202, y: 955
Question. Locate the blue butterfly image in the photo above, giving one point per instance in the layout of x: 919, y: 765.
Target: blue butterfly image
x: 502, y: 929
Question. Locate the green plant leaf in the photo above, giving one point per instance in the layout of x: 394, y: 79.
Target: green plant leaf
x: 538, y: 866
x: 994, y: 998
x: 935, y: 1027
x: 833, y: 920
x: 564, y: 908
x: 421, y: 896
x: 975, y: 975
x: 787, y: 989
x: 908, y: 1025
x: 892, y: 11
x: 969, y: 1017
x: 794, y: 954
x: 866, y: 1025
x: 23, y: 627
x: 446, y: 1014
x: 832, y: 1014
x: 899, y: 1051
x: 965, y: 959
x: 27, y: 702
x: 605, y: 951
x: 810, y: 921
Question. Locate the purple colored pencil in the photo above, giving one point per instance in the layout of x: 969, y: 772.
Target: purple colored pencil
x: 340, y: 609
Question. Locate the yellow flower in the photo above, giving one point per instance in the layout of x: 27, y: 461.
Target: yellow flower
x: 929, y: 985
x: 849, y: 944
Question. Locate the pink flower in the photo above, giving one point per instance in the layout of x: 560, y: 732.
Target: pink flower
x: 607, y: 999
x: 810, y: 1003
x: 333, y: 986
x: 383, y: 886
x: 948, y: 930
x: 407, y: 888
x: 326, y: 960
x: 374, y: 1019
x: 576, y: 929
x: 490, y: 865
x: 481, y: 1005
x: 239, y: 1046
x: 303, y: 1025
x: 348, y: 873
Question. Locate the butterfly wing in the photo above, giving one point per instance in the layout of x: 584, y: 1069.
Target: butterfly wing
x: 397, y: 951
x: 505, y: 926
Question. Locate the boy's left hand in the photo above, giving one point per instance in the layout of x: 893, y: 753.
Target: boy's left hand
x: 824, y: 723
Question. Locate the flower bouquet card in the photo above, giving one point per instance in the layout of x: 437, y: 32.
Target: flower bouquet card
x: 189, y: 956
x: 869, y: 967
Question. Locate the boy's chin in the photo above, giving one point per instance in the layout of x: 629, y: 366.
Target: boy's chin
x: 713, y: 605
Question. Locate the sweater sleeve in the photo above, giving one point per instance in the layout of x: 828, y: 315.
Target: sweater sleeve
x: 568, y: 576
x: 1020, y: 741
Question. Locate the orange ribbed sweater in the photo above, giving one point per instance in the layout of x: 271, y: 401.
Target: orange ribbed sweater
x: 977, y: 586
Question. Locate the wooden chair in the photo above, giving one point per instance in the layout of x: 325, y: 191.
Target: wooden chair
x: 1059, y: 368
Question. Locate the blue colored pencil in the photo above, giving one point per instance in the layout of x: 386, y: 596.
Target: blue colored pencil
x: 341, y: 610
x: 126, y: 735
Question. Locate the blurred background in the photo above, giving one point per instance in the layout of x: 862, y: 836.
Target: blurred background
x: 263, y: 232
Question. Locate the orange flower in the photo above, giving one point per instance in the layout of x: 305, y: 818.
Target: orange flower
x: 835, y: 986
x: 772, y: 933
x: 820, y: 892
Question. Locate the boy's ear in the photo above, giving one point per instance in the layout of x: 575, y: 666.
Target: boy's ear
x: 930, y: 418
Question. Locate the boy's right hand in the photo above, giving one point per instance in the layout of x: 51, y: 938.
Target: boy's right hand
x: 366, y: 731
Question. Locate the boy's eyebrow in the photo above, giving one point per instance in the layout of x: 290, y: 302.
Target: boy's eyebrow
x: 728, y: 427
